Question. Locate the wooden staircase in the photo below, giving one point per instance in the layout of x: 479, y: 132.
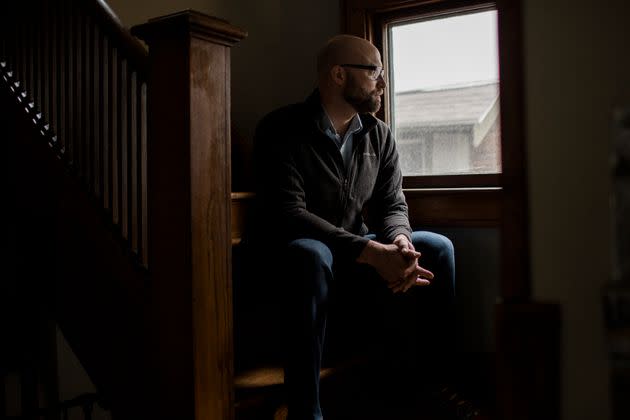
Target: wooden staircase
x: 121, y: 177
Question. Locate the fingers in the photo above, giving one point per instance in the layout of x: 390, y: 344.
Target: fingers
x: 418, y: 276
x: 415, y: 270
x: 399, y: 286
x: 401, y: 241
x: 410, y: 253
x: 411, y: 271
x: 404, y: 285
x: 424, y: 273
x: 418, y: 281
x: 422, y: 282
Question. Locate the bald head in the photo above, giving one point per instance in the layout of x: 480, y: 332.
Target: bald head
x: 346, y: 49
x: 349, y: 71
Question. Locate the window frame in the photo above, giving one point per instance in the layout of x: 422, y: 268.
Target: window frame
x: 428, y: 11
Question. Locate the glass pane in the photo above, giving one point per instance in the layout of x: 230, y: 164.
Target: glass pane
x: 444, y: 81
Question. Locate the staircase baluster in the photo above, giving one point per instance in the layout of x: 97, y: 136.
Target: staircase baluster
x: 3, y: 48
x: 97, y: 113
x: 124, y: 144
x: 17, y: 68
x: 7, y: 38
x: 37, y: 53
x: 143, y: 175
x: 14, y: 49
x: 62, y: 134
x: 115, y: 133
x: 13, y: 56
x: 133, y: 162
x: 106, y: 182
x: 79, y: 98
x: 22, y: 54
x: 88, y: 114
x: 30, y: 36
x: 53, y: 77
x: 70, y: 81
x: 45, y: 55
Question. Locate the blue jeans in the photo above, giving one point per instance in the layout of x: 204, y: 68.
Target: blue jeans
x: 418, y: 323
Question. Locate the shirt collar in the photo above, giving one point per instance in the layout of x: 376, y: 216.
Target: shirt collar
x: 327, y: 126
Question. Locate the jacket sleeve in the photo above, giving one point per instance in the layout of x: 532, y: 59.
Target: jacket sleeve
x: 387, y: 207
x: 283, y: 199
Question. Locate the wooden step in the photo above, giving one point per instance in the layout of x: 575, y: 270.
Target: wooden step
x: 352, y: 390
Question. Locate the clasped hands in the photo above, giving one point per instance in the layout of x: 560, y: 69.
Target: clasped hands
x: 396, y: 263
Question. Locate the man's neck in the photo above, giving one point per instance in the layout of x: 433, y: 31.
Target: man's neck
x: 340, y: 114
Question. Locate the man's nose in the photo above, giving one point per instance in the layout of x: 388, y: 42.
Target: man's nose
x: 380, y: 82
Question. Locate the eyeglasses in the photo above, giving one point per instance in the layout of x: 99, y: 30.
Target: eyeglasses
x: 377, y: 71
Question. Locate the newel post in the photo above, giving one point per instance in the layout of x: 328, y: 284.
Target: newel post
x: 189, y: 312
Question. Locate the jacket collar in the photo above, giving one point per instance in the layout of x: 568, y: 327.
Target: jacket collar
x: 317, y: 114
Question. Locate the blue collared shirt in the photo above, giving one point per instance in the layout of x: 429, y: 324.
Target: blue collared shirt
x: 343, y: 144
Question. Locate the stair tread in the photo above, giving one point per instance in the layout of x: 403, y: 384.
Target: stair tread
x: 351, y: 390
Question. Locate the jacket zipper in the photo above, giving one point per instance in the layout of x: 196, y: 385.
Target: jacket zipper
x: 348, y: 177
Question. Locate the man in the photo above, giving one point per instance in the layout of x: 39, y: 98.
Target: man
x: 321, y: 165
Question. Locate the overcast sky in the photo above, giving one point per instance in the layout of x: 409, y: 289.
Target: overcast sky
x: 448, y: 51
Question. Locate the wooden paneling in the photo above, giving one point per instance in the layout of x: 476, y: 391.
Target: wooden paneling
x: 454, y: 207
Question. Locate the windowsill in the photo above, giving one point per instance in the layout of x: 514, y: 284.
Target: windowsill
x: 452, y: 181
x: 447, y: 190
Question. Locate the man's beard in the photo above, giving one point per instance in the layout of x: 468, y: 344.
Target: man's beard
x: 361, y: 100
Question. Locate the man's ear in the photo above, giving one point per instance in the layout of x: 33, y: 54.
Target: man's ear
x: 338, y: 75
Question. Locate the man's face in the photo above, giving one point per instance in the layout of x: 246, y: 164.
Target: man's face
x: 363, y: 93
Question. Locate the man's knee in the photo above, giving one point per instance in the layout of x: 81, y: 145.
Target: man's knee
x: 438, y: 253
x: 310, y: 267
x: 434, y: 244
x: 309, y: 252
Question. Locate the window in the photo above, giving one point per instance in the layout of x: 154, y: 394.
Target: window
x: 477, y: 174
x: 444, y: 93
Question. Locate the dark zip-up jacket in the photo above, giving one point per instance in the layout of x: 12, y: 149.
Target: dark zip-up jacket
x: 306, y: 191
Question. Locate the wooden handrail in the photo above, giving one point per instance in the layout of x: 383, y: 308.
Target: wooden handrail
x: 132, y: 48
